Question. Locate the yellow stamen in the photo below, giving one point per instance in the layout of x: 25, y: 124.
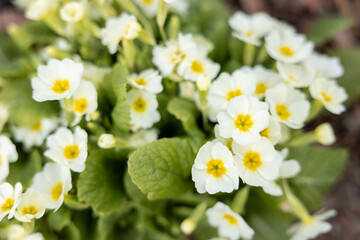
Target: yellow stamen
x: 243, y: 122
x: 140, y: 81
x: 326, y: 97
x: 56, y: 191
x: 231, y: 219
x: 248, y: 33
x: 260, y: 88
x: 7, y: 205
x: 282, y: 111
x: 31, y: 209
x: 252, y: 160
x: 197, y: 67
x: 147, y: 2
x: 216, y: 168
x: 71, y: 151
x: 139, y: 105
x: 80, y: 105
x: 286, y: 50
x: 234, y: 93
x: 61, y: 86
x: 36, y: 126
x: 265, y: 133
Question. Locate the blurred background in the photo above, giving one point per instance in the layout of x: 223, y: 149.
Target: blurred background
x: 304, y: 14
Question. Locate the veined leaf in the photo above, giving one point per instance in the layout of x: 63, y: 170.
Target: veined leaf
x: 161, y: 168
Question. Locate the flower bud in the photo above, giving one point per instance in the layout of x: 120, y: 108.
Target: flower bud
x: 106, y: 141
x: 187, y: 226
x: 132, y: 30
x: 203, y: 82
x: 325, y: 134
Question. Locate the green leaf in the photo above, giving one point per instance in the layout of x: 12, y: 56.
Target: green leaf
x: 100, y: 184
x: 325, y: 28
x: 185, y: 111
x: 161, y: 168
x: 320, y: 169
x: 24, y: 111
x: 59, y: 219
x: 350, y: 81
x: 19, y: 67
x: 25, y: 168
x: 116, y: 82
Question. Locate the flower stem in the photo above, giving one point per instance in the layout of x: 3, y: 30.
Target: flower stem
x: 240, y: 199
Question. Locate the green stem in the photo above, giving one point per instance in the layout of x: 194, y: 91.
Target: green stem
x: 302, y: 139
x: 316, y: 108
x: 161, y: 17
x: 262, y: 55
x: 240, y: 199
x: 296, y: 205
x: 249, y: 54
x: 29, y: 226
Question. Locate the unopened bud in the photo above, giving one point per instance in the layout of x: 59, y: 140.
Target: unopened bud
x: 106, y: 141
x: 325, y: 134
x: 187, y: 226
x: 203, y: 82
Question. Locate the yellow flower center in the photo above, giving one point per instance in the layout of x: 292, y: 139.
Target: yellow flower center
x: 36, y: 126
x: 0, y: 160
x: 252, y: 160
x: 147, y: 2
x: 265, y: 133
x: 71, y: 151
x: 215, y: 167
x: 308, y: 221
x: 139, y: 105
x: 282, y: 111
x: 7, y: 205
x: 260, y: 88
x: 232, y: 94
x: 248, y: 33
x: 229, y: 145
x: 243, y: 122
x: 292, y: 78
x: 56, y: 191
x: 80, y: 105
x: 140, y: 81
x: 231, y: 219
x: 326, y: 97
x: 287, y: 51
x: 31, y: 209
x: 61, y: 86
x: 197, y: 67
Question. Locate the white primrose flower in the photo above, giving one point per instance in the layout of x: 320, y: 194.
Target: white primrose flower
x: 288, y: 169
x: 35, y: 134
x: 4, y: 116
x: 9, y: 199
x: 325, y: 134
x: 296, y: 75
x: 288, y: 105
x: 250, y: 28
x: 72, y: 12
x: 148, y: 80
x: 231, y: 225
x: 124, y: 27
x: 213, y: 170
x: 83, y: 101
x: 288, y: 47
x: 281, y: 26
x: 53, y: 183
x: 325, y: 66
x: 166, y: 58
x: 8, y: 155
x: 194, y: 67
x: 203, y: 43
x: 31, y: 206
x: 265, y: 79
x: 39, y: 9
x: 273, y: 131
x: 149, y: 7
x: 330, y: 94
x: 56, y: 80
x: 68, y: 149
x: 18, y: 232
x: 313, y: 226
x: 243, y: 120
x: 227, y: 87
x: 143, y: 137
x: 143, y: 112
x: 257, y: 164
x: 106, y: 141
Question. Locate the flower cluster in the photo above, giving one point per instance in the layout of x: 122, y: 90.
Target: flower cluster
x: 107, y: 84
